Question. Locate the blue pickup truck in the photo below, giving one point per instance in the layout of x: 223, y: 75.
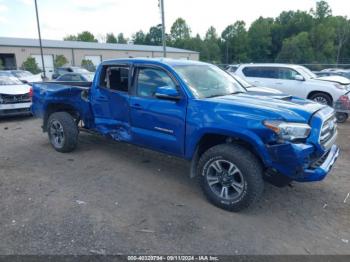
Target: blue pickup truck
x: 234, y: 139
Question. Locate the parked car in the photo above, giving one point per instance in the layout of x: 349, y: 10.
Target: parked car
x: 231, y: 68
x: 334, y: 72
x: 299, y: 81
x: 252, y: 88
x: 198, y: 112
x: 5, y: 73
x: 68, y: 69
x: 76, y: 77
x: 15, y: 97
x: 26, y: 76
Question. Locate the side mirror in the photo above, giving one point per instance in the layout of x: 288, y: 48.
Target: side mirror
x: 299, y: 78
x: 167, y: 92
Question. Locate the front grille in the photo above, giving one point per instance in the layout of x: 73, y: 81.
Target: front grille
x: 317, y: 163
x: 328, y: 131
x: 14, y: 99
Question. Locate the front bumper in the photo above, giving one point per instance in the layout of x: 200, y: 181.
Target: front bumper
x: 15, y: 109
x: 326, y: 164
x: 299, y: 163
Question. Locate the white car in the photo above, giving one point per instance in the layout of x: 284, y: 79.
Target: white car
x: 299, y: 81
x: 26, y: 76
x: 253, y: 88
x: 15, y: 97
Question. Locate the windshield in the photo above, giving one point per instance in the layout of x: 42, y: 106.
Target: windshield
x: 208, y: 80
x: 4, y: 81
x: 307, y: 72
x: 5, y: 73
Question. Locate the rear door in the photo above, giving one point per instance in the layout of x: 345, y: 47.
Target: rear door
x: 110, y: 101
x: 157, y: 123
x: 260, y: 75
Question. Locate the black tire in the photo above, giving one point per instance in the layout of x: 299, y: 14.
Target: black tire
x: 250, y: 176
x: 322, y: 98
x: 62, y: 124
x: 341, y: 117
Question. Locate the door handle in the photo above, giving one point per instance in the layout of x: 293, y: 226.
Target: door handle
x: 278, y: 83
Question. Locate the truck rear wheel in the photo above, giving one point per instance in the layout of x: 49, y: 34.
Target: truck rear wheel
x: 63, y: 132
x: 230, y: 176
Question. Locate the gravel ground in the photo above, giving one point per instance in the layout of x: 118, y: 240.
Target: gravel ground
x: 113, y: 198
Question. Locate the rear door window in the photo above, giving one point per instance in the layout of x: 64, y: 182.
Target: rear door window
x: 115, y: 78
x: 261, y: 72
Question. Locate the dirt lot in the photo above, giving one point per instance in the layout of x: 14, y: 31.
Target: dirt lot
x: 113, y: 198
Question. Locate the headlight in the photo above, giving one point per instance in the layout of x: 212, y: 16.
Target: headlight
x: 288, y: 131
x: 339, y: 86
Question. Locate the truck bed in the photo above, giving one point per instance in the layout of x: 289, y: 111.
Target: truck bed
x: 61, y: 94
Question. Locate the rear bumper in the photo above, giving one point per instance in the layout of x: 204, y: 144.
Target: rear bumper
x: 298, y: 161
x: 15, y: 109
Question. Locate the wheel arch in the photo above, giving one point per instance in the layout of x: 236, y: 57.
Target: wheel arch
x: 210, y: 139
x: 59, y: 107
x: 319, y: 92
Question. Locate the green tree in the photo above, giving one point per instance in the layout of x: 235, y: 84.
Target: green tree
x: 260, y: 40
x: 322, y: 37
x: 287, y: 24
x: 323, y: 10
x: 110, y: 38
x: 342, y: 34
x: 139, y: 38
x: 84, y: 36
x: 60, y: 60
x: 88, y: 65
x: 180, y: 32
x: 31, y: 65
x: 296, y: 49
x: 121, y: 39
x: 234, y: 43
x: 154, y: 36
x: 211, y: 50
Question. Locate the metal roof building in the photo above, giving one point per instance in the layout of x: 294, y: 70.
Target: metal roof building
x: 14, y: 51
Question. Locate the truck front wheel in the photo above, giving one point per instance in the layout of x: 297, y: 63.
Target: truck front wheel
x: 230, y: 176
x: 63, y: 132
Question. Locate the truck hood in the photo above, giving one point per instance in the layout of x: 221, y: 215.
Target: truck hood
x: 284, y: 107
x: 14, y: 89
x: 335, y: 79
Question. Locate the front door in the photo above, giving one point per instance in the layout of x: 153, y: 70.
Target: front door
x: 157, y: 123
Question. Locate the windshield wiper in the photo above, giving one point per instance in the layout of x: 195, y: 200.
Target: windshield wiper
x: 233, y: 93
x: 237, y: 92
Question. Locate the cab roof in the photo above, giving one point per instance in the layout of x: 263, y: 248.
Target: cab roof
x: 155, y: 61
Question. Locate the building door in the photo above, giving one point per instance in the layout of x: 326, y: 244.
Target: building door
x: 48, y: 61
x: 8, y: 61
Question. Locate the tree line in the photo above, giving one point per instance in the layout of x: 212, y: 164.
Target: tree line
x: 316, y: 36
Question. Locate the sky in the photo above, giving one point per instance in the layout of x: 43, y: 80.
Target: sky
x: 59, y: 18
